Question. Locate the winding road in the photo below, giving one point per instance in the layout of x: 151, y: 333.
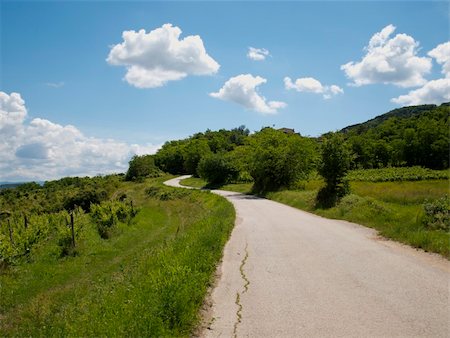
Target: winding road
x: 289, y: 273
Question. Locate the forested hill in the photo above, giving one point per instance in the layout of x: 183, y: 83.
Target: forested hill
x: 404, y: 112
x: 403, y: 137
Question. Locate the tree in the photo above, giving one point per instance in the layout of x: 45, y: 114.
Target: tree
x: 217, y: 169
x: 278, y: 160
x: 336, y: 159
x: 170, y: 157
x: 193, y: 152
x: 141, y: 167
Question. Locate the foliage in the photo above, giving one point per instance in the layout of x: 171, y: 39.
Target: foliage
x: 335, y: 162
x: 437, y: 214
x: 141, y: 167
x: 397, y: 174
x: 170, y: 157
x: 84, y: 199
x: 107, y: 214
x: 194, y: 151
x: 411, y: 136
x: 278, y: 159
x: 217, y: 169
x: 149, y: 280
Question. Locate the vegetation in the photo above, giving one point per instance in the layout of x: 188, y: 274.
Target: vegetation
x: 277, y: 159
x: 147, y: 278
x: 411, y: 136
x: 397, y: 174
x: 336, y: 161
x: 141, y: 167
x: 411, y: 212
x: 217, y: 169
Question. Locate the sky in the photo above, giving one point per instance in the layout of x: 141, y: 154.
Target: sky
x: 85, y: 85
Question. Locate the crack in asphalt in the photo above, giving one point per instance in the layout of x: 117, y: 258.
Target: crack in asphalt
x: 238, y: 296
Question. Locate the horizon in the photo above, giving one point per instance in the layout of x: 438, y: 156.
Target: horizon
x: 77, y: 100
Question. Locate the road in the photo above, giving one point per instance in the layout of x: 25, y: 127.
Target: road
x: 289, y: 273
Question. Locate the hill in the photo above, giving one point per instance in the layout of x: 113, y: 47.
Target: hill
x: 404, y: 112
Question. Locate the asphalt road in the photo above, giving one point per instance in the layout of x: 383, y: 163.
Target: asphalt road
x: 289, y: 273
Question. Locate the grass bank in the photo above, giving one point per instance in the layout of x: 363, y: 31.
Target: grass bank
x: 148, y: 279
x: 395, y: 209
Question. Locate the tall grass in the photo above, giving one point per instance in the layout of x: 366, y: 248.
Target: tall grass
x: 148, y: 279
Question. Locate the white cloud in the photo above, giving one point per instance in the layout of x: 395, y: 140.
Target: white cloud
x: 389, y: 61
x: 242, y: 89
x: 41, y: 149
x: 152, y: 59
x: 257, y: 54
x: 442, y: 55
x: 311, y: 85
x: 434, y: 91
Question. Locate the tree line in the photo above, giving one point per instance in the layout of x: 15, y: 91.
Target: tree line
x: 274, y: 159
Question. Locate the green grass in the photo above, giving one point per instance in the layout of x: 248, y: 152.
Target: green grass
x: 199, y: 183
x: 395, y: 209
x: 148, y: 279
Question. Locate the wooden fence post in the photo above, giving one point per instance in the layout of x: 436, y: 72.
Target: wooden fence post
x: 25, y: 221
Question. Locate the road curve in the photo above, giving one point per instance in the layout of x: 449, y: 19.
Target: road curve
x: 289, y: 273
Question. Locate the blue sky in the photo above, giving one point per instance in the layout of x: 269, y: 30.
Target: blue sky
x: 53, y: 54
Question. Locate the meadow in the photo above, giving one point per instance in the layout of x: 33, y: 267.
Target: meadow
x: 395, y: 205
x: 148, y: 277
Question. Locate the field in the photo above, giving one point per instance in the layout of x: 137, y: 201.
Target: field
x: 394, y: 206
x: 147, y: 278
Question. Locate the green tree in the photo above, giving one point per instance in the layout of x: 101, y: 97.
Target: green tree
x: 336, y: 159
x: 278, y: 160
x: 170, y: 157
x: 141, y: 167
x: 193, y: 152
x: 217, y: 169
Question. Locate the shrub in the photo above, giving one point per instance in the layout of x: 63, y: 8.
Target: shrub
x: 141, y: 167
x: 336, y: 160
x: 437, y: 214
x: 277, y: 159
x: 216, y: 169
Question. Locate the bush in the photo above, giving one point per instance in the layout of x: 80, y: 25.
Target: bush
x: 437, y: 214
x: 141, y: 167
x: 217, y: 169
x: 107, y: 214
x: 277, y: 160
x: 336, y: 161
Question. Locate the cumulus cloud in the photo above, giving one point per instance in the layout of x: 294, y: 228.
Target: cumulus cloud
x: 257, y: 54
x: 242, y: 89
x: 155, y: 58
x: 41, y: 149
x: 311, y: 85
x: 434, y: 91
x: 389, y: 61
x: 442, y: 55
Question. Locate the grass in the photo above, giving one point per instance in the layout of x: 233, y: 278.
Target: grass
x: 395, y: 209
x: 148, y: 279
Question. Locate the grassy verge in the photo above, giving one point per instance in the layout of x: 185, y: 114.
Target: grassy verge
x: 395, y: 209
x: 148, y: 279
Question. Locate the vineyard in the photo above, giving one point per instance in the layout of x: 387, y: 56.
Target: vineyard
x: 397, y: 174
x: 28, y: 222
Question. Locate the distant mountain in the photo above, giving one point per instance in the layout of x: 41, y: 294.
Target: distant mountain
x: 403, y: 112
x: 10, y: 185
